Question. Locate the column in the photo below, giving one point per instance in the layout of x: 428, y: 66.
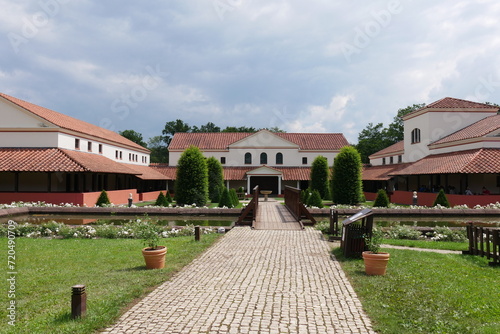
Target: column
x: 279, y: 184
x: 249, y: 191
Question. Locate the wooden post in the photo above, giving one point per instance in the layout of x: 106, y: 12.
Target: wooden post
x: 78, y: 301
x: 197, y: 233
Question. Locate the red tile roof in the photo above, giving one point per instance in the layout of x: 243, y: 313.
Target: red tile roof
x: 239, y: 173
x: 391, y: 150
x: 148, y: 173
x: 485, y: 160
x: 73, y: 124
x: 381, y: 173
x: 57, y: 160
x: 452, y: 103
x: 221, y: 140
x: 168, y: 171
x: 475, y: 130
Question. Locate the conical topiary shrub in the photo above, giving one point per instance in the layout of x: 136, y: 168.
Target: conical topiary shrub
x: 168, y: 197
x: 103, y: 199
x: 382, y: 200
x: 234, y: 197
x: 225, y: 199
x: 161, y: 200
x: 315, y: 199
x: 441, y: 199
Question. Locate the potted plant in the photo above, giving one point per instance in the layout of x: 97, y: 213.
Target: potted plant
x: 375, y: 261
x: 154, y: 255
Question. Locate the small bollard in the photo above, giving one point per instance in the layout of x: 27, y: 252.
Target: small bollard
x: 78, y: 301
x: 197, y: 233
x: 130, y: 200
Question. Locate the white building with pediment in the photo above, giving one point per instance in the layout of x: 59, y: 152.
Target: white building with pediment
x: 270, y: 160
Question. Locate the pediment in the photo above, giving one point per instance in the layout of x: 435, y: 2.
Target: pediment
x: 16, y: 117
x: 264, y: 170
x: 263, y: 139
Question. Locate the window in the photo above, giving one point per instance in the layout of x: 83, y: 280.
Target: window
x: 223, y: 160
x: 121, y: 155
x: 391, y: 160
x: 383, y: 161
x: 248, y: 158
x: 130, y: 157
x: 304, y: 160
x: 89, y: 146
x: 279, y: 159
x: 100, y: 148
x: 263, y: 158
x: 77, y: 144
x: 116, y: 154
x: 415, y: 136
x: 400, y: 159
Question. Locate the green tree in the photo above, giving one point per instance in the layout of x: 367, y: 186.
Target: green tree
x: 346, y: 178
x: 395, y: 130
x: 225, y: 199
x: 372, y: 139
x: 234, y: 197
x: 382, y: 200
x: 168, y: 197
x: 315, y: 199
x: 215, y: 179
x: 319, y: 176
x: 159, y: 150
x: 240, y: 129
x: 173, y: 127
x: 191, y: 186
x: 103, y: 199
x: 441, y: 199
x: 136, y: 137
x: 209, y: 127
x: 161, y: 200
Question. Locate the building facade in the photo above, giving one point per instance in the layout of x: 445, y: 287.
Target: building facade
x: 450, y: 144
x: 51, y: 157
x: 270, y: 160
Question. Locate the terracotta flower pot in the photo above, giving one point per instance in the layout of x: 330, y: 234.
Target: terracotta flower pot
x: 155, y: 258
x: 375, y: 264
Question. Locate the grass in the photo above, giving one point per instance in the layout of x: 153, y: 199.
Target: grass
x: 112, y: 270
x: 426, y: 292
x: 447, y: 245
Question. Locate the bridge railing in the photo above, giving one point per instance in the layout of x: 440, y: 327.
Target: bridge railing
x: 295, y: 206
x: 249, y: 213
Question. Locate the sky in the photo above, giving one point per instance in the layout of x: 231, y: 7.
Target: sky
x: 302, y: 66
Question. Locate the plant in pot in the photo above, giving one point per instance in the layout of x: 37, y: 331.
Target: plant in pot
x: 375, y: 261
x: 154, y: 255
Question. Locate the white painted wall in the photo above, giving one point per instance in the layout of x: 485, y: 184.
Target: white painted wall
x: 28, y: 139
x: 12, y: 116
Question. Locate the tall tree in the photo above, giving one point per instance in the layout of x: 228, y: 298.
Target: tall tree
x: 209, y: 127
x: 395, y: 130
x: 215, y: 179
x: 159, y: 150
x: 347, y: 187
x: 191, y: 184
x: 174, y: 126
x: 134, y: 136
x: 371, y: 140
x: 240, y: 129
x: 319, y: 176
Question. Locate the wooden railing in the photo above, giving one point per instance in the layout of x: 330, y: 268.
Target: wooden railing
x: 296, y: 207
x: 249, y: 213
x: 484, y: 241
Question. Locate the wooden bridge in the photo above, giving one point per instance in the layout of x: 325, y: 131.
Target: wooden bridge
x: 270, y: 214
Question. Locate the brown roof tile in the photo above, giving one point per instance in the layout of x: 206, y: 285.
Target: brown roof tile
x: 394, y: 148
x: 168, y: 171
x: 453, y: 103
x: 381, y: 173
x: 221, y: 140
x: 485, y: 160
x: 57, y: 160
x: 73, y: 124
x: 475, y: 130
x: 148, y: 173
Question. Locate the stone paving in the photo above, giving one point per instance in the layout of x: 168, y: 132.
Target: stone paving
x: 253, y: 281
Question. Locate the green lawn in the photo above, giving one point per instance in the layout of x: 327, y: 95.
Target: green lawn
x: 112, y: 270
x: 448, y: 245
x: 426, y: 292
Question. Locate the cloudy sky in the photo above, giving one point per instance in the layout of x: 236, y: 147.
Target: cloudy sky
x: 303, y: 66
